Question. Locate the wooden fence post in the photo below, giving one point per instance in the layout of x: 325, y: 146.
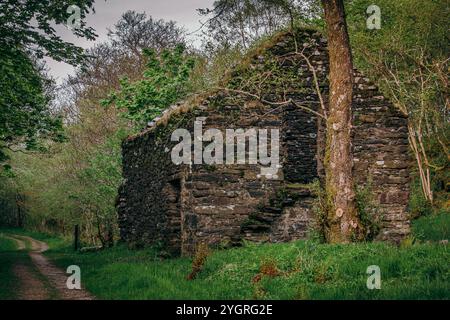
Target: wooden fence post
x: 76, y: 234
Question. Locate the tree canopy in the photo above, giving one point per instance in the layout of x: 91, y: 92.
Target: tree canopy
x: 27, y: 35
x: 29, y: 25
x: 164, y: 83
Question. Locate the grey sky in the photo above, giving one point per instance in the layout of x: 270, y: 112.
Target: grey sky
x: 108, y: 13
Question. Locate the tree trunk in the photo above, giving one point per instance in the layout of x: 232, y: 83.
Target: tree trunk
x: 342, y: 217
x: 76, y: 237
x: 19, y: 202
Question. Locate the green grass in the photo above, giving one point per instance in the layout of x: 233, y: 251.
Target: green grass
x: 307, y: 270
x: 8, y: 281
x: 434, y: 227
x: 54, y: 242
x: 7, y: 244
x: 8, y: 256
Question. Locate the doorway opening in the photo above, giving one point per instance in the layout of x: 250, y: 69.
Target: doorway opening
x: 172, y: 195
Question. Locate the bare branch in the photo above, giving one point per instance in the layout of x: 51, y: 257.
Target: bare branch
x: 278, y: 104
x: 316, y: 83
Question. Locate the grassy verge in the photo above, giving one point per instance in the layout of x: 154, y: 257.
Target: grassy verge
x: 298, y: 270
x: 6, y: 243
x: 8, y: 256
x: 434, y: 227
x: 7, y: 278
x: 54, y: 242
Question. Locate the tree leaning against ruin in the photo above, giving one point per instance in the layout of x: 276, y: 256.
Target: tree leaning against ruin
x: 343, y: 223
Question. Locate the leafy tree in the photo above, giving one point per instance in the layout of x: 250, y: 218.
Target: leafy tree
x: 165, y: 82
x: 27, y: 25
x: 26, y: 35
x: 122, y: 55
x: 24, y: 115
x: 76, y: 182
x: 408, y: 57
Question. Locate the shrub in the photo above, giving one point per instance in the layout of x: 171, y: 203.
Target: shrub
x: 418, y: 206
x: 165, y: 82
x: 368, y: 212
x: 201, y: 254
x: 435, y: 227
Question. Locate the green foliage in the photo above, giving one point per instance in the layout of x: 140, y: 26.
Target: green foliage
x: 30, y: 24
x: 435, y: 227
x: 165, y: 82
x: 24, y: 115
x: 317, y: 231
x: 8, y: 280
x: 437, y: 149
x: 8, y: 204
x: 369, y: 216
x: 418, y: 206
x: 76, y: 182
x: 71, y: 187
x: 7, y: 244
x: 100, y: 179
x: 26, y: 34
x: 408, y: 59
x: 302, y: 270
x: 404, y: 23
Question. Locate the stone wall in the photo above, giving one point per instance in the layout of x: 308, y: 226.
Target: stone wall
x: 144, y: 209
x: 381, y: 155
x: 179, y: 206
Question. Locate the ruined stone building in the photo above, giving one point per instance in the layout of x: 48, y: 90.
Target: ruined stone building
x: 178, y: 206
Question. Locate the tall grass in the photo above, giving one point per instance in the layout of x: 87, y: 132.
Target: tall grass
x: 298, y: 270
x: 6, y: 243
x: 305, y: 270
x: 435, y: 227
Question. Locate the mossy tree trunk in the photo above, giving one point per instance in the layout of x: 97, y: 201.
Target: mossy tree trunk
x: 342, y: 216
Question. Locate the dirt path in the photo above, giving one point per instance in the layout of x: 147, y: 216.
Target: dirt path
x: 50, y: 278
x: 31, y: 287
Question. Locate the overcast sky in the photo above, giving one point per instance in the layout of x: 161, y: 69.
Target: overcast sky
x: 107, y: 13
